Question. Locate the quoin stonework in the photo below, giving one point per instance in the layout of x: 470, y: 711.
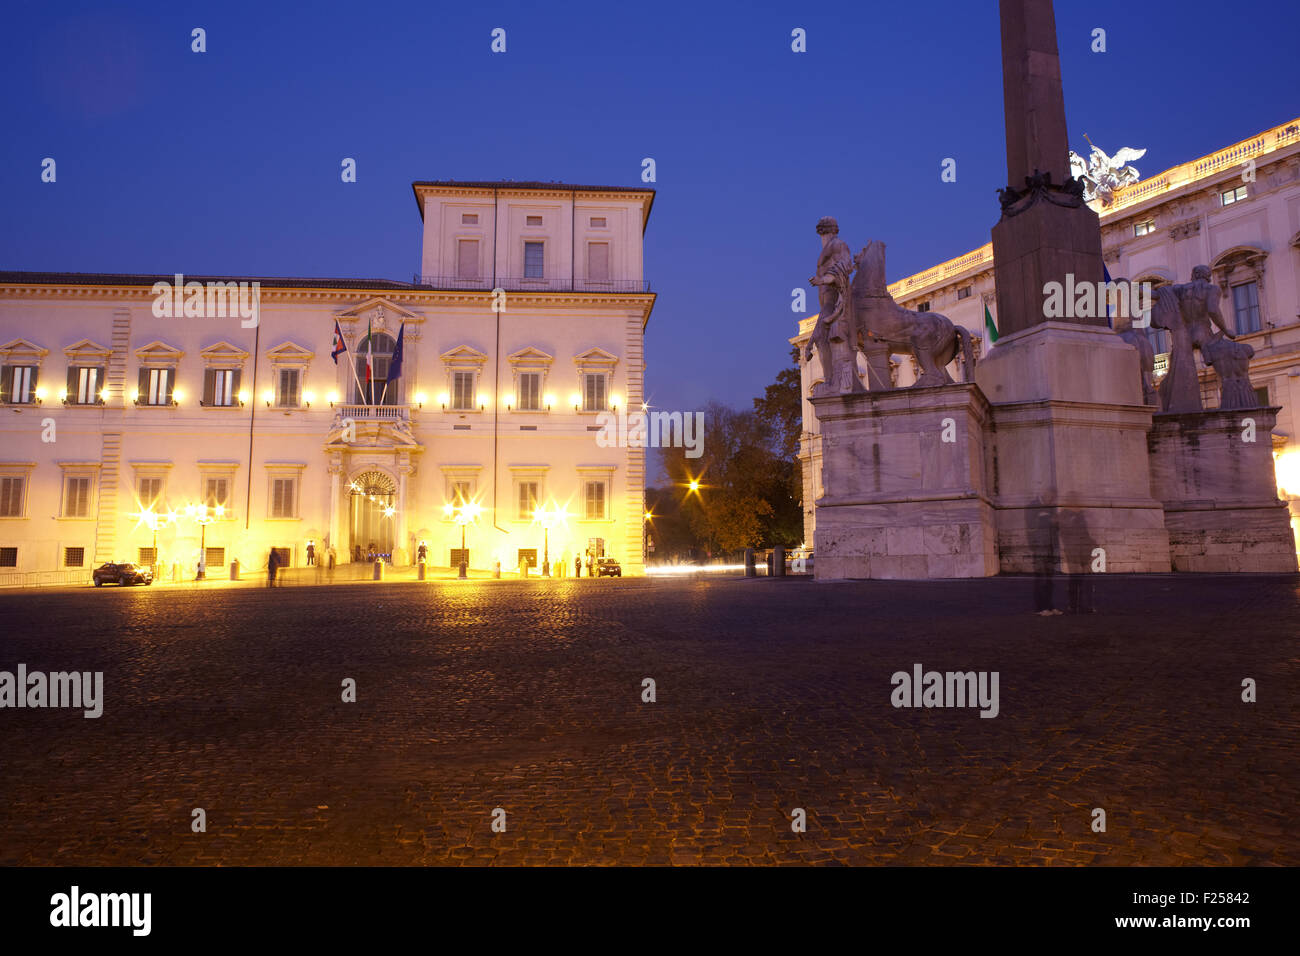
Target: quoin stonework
x: 133, y: 433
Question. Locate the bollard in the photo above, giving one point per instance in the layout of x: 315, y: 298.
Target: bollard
x: 379, y: 570
x: 496, y: 568
x: 419, y: 571
x: 234, y: 570
x: 751, y: 571
x: 778, y: 561
x: 523, y: 569
x: 463, y: 569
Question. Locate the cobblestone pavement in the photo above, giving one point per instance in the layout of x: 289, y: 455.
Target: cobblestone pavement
x: 771, y: 695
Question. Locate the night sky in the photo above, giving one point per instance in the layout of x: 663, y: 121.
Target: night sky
x: 228, y: 162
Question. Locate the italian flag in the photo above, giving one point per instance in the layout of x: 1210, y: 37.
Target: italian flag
x: 989, y: 327
x: 370, y: 360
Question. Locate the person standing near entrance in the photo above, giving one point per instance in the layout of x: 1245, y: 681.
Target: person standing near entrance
x: 272, y: 565
x: 423, y: 553
x: 311, y: 553
x: 577, y: 565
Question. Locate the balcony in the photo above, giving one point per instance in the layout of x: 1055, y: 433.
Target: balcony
x: 523, y: 284
x: 374, y: 413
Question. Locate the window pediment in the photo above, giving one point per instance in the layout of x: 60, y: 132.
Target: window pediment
x: 159, y: 353
x: 87, y: 351
x: 223, y: 355
x: 531, y: 357
x: 462, y: 356
x: 290, y: 353
x: 595, y: 358
x: 19, y: 350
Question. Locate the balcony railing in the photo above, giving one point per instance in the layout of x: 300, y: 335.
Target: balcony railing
x: 525, y: 284
x: 372, y: 413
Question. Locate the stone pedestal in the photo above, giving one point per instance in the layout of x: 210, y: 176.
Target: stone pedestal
x: 1069, y: 434
x: 1219, y: 491
x: 905, y: 485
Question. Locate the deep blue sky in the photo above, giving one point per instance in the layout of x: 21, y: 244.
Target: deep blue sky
x: 228, y: 162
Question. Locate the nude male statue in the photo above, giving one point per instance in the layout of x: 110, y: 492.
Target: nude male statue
x: 1189, y: 311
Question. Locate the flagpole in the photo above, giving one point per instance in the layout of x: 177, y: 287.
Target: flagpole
x: 351, y: 364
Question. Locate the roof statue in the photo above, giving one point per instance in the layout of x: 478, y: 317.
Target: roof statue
x: 1102, y: 176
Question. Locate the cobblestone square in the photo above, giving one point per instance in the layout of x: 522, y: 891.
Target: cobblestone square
x: 771, y: 695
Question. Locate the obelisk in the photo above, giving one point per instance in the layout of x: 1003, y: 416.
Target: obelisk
x: 1069, y: 442
x: 1046, y: 232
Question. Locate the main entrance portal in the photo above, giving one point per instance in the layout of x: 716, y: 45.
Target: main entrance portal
x: 373, y: 498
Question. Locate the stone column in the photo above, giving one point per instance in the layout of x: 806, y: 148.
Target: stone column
x: 336, y: 476
x: 401, y: 556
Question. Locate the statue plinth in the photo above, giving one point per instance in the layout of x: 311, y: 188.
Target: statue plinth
x: 905, y: 485
x: 1219, y: 491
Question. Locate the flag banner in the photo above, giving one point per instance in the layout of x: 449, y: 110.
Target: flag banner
x: 395, y: 363
x: 1110, y: 310
x: 989, y: 326
x: 338, y: 346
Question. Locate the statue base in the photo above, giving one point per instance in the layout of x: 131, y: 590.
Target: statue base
x: 1069, y: 433
x: 905, y: 485
x: 1214, y: 472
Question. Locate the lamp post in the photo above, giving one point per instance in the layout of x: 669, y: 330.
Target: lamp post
x: 153, y: 521
x: 204, y: 514
x: 462, y: 513
x: 546, y: 517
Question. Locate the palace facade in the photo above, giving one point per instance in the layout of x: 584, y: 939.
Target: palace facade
x: 171, y: 426
x: 1236, y: 210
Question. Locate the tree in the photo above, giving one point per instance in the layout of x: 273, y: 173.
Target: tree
x: 780, y: 409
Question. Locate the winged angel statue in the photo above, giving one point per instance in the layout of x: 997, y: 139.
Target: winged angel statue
x: 1103, y: 175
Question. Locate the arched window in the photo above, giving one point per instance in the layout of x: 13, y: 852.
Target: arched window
x: 379, y: 347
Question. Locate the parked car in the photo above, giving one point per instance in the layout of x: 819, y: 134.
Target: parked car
x: 122, y: 574
x: 608, y: 566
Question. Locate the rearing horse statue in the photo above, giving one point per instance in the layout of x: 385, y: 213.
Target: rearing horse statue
x: 933, y: 338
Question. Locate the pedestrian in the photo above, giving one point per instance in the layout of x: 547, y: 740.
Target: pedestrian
x: 311, y: 553
x: 590, y: 562
x: 423, y: 552
x: 272, y: 565
x: 577, y: 565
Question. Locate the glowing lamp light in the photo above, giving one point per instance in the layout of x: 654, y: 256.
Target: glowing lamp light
x: 268, y: 396
x: 243, y: 396
x: 420, y: 399
x: 308, y: 398
x: 103, y: 394
x: 695, y: 484
x: 177, y: 396
x: 508, y: 400
x: 135, y: 394
x: 575, y: 400
x: 614, y: 401
x: 389, y: 511
x: 550, y: 400
x: 40, y: 393
x: 333, y: 398
x: 1286, y: 467
x: 443, y: 399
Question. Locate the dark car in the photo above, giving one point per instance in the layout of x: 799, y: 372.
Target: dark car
x: 122, y: 574
x: 608, y: 566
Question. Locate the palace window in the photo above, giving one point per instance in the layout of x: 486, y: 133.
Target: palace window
x: 8, y: 557
x: 534, y: 221
x: 462, y: 390
x: 534, y: 260
x: 595, y: 397
x: 1230, y: 196
x: 462, y: 492
x: 287, y: 393
x: 529, y: 398
x: 1261, y: 397
x: 76, y: 496
x: 155, y: 387
x: 150, y: 492
x: 74, y: 557
x: 18, y: 384
x: 598, y: 261
x: 284, y: 497
x: 1245, y: 303
x: 467, y: 259
x: 377, y: 392
x: 84, y: 384
x: 216, y: 492
x: 528, y: 498
x: 220, y: 386
x: 923, y: 307
x: 964, y: 293
x: 146, y: 557
x: 598, y: 222
x: 595, y: 496
x: 1144, y: 228
x: 13, y: 490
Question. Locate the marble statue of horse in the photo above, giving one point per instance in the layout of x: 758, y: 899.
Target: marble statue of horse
x: 933, y: 338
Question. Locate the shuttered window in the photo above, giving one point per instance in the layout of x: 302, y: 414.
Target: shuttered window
x: 220, y: 386
x: 595, y: 497
x: 530, y: 391
x: 529, y: 495
x: 215, y: 492
x: 11, y: 496
x: 76, y: 499
x: 462, y: 390
x: 593, y: 392
x: 287, y: 390
x: 155, y: 386
x: 283, y: 492
x: 150, y: 492
x: 19, y: 384
x: 84, y: 384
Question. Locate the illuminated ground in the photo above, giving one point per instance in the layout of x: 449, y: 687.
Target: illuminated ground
x: 526, y: 695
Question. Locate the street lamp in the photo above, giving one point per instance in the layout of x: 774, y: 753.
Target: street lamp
x: 153, y: 521
x: 546, y: 517
x: 204, y: 514
x: 462, y: 513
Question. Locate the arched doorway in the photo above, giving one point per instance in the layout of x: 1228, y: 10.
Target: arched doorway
x: 379, y: 347
x: 372, y: 497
